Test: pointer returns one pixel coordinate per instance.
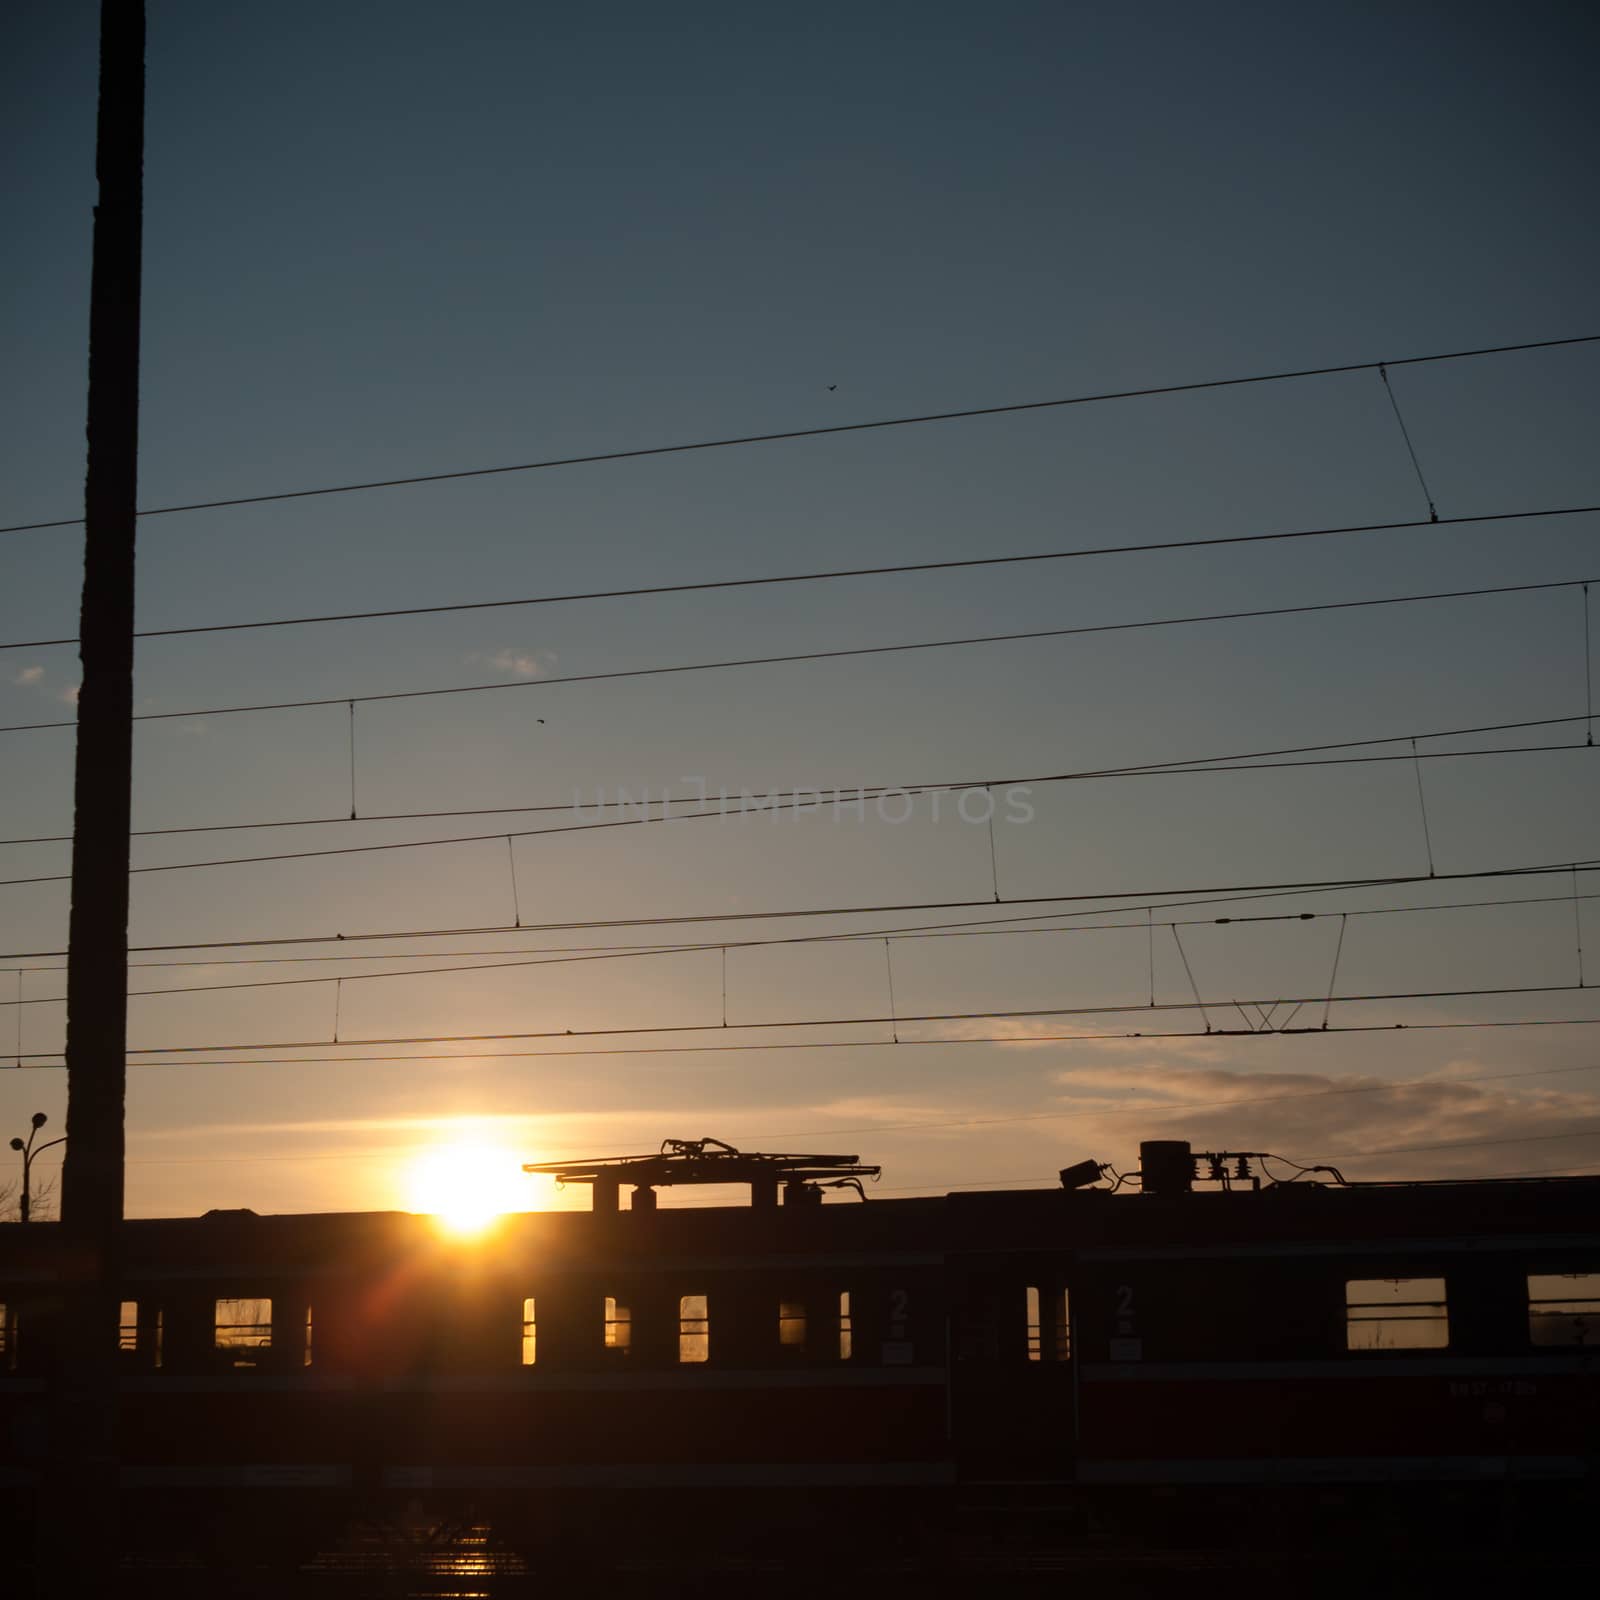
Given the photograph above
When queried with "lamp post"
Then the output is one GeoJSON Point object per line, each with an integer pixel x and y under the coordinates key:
{"type": "Point", "coordinates": [28, 1153]}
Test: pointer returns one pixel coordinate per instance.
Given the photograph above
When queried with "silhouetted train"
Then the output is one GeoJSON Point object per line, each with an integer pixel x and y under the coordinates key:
{"type": "Point", "coordinates": [1117, 1364]}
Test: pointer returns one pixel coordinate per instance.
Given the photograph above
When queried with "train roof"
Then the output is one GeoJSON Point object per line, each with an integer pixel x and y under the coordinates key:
{"type": "Point", "coordinates": [959, 1224]}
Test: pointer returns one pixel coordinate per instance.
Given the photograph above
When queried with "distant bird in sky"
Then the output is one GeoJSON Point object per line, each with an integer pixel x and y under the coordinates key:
{"type": "Point", "coordinates": [832, 387]}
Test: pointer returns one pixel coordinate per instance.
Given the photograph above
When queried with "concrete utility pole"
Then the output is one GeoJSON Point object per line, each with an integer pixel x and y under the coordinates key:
{"type": "Point", "coordinates": [97, 958]}
{"type": "Point", "coordinates": [83, 1487]}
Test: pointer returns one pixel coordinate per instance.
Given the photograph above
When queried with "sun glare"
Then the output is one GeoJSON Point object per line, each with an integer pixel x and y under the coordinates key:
{"type": "Point", "coordinates": [466, 1186]}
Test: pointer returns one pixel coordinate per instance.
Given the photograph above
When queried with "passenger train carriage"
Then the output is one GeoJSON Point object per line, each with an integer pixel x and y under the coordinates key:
{"type": "Point", "coordinates": [1118, 1363]}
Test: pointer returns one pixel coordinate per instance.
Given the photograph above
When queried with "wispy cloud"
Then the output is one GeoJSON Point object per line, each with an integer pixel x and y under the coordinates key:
{"type": "Point", "coordinates": [517, 662]}
{"type": "Point", "coordinates": [1438, 1126]}
{"type": "Point", "coordinates": [1063, 1034]}
{"type": "Point", "coordinates": [36, 678]}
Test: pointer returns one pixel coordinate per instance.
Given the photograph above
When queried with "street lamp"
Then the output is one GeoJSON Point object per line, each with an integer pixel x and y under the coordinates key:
{"type": "Point", "coordinates": [28, 1153]}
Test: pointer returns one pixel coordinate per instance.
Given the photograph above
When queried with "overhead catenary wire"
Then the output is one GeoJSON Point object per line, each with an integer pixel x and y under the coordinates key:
{"type": "Point", "coordinates": [1405, 434]}
{"type": "Point", "coordinates": [830, 575]}
{"type": "Point", "coordinates": [511, 865]}
{"type": "Point", "coordinates": [1250, 760]}
{"type": "Point", "coordinates": [1588, 669]}
{"type": "Point", "coordinates": [1189, 973]}
{"type": "Point", "coordinates": [892, 423]}
{"type": "Point", "coordinates": [740, 663]}
{"type": "Point", "coordinates": [789, 1023]}
{"type": "Point", "coordinates": [1338, 950]}
{"type": "Point", "coordinates": [561, 954]}
{"type": "Point", "coordinates": [1208, 895]}
{"type": "Point", "coordinates": [511, 960]}
{"type": "Point", "coordinates": [888, 968]}
{"type": "Point", "coordinates": [832, 428]}
{"type": "Point", "coordinates": [818, 799]}
{"type": "Point", "coordinates": [1464, 1144]}
{"type": "Point", "coordinates": [1566, 1169]}
{"type": "Point", "coordinates": [763, 1047]}
{"type": "Point", "coordinates": [994, 859]}
{"type": "Point", "coordinates": [353, 761]}
{"type": "Point", "coordinates": [1422, 806]}
{"type": "Point", "coordinates": [1577, 924]}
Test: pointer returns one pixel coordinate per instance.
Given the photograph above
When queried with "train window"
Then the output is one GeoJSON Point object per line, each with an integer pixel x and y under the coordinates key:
{"type": "Point", "coordinates": [529, 1333]}
{"type": "Point", "coordinates": [792, 1324]}
{"type": "Point", "coordinates": [305, 1359]}
{"type": "Point", "coordinates": [128, 1325]}
{"type": "Point", "coordinates": [243, 1328]}
{"type": "Point", "coordinates": [694, 1328]}
{"type": "Point", "coordinates": [846, 1341]}
{"type": "Point", "coordinates": [1054, 1338]}
{"type": "Point", "coordinates": [619, 1326]}
{"type": "Point", "coordinates": [1564, 1308]}
{"type": "Point", "coordinates": [1396, 1314]}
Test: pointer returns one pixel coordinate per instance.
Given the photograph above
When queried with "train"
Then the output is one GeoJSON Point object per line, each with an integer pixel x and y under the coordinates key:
{"type": "Point", "coordinates": [1220, 1352]}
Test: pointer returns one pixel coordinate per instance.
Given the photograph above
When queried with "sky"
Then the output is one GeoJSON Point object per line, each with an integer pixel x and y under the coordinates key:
{"type": "Point", "coordinates": [390, 241]}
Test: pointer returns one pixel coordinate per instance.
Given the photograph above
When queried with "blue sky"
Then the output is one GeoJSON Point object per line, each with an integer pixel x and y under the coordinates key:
{"type": "Point", "coordinates": [381, 241]}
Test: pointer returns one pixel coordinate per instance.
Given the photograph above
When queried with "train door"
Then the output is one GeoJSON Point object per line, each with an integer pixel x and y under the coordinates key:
{"type": "Point", "coordinates": [1013, 1379]}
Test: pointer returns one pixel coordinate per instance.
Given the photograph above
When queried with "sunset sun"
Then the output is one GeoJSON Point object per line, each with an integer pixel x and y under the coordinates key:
{"type": "Point", "coordinates": [466, 1186]}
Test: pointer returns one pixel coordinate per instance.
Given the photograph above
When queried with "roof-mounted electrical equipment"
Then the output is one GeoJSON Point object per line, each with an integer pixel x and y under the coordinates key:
{"type": "Point", "coordinates": [802, 1178]}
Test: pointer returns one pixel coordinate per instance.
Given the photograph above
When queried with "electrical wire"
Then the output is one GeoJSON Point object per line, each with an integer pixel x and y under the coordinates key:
{"type": "Point", "coordinates": [549, 958]}
{"type": "Point", "coordinates": [1564, 1170]}
{"type": "Point", "coordinates": [833, 428]}
{"type": "Point", "coordinates": [922, 931]}
{"type": "Point", "coordinates": [742, 662]}
{"type": "Point", "coordinates": [900, 568]}
{"type": "Point", "coordinates": [761, 1047]}
{"type": "Point", "coordinates": [941, 644]}
{"type": "Point", "coordinates": [819, 799]}
{"type": "Point", "coordinates": [1144, 896]}
{"type": "Point", "coordinates": [868, 1021]}
{"type": "Point", "coordinates": [1463, 1144]}
{"type": "Point", "coordinates": [1236, 761]}
{"type": "Point", "coordinates": [1411, 449]}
